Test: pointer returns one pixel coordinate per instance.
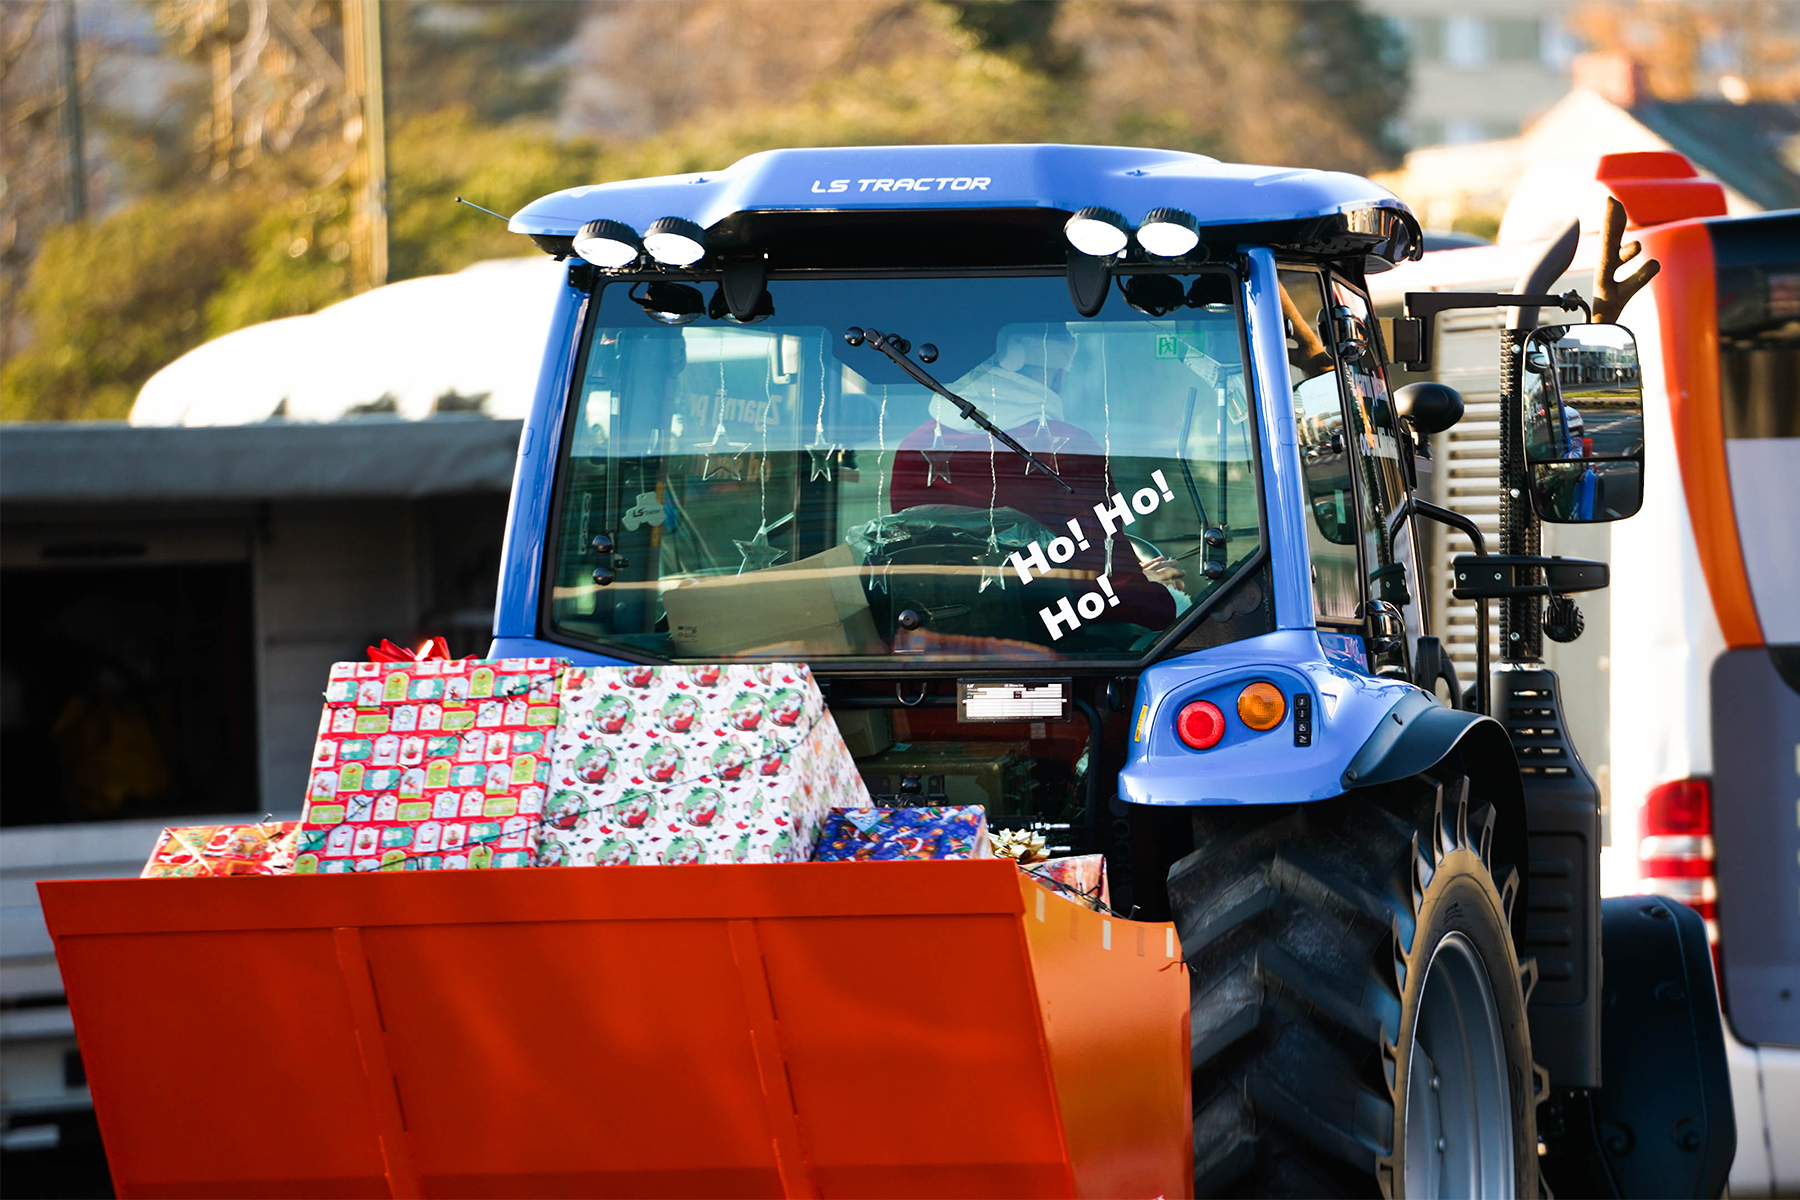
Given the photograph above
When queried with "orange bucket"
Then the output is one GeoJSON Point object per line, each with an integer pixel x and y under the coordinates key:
{"type": "Point", "coordinates": [809, 1029]}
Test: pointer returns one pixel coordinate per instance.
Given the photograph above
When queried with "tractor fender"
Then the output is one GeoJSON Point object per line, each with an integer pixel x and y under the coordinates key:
{"type": "Point", "coordinates": [1417, 734]}
{"type": "Point", "coordinates": [1414, 734]}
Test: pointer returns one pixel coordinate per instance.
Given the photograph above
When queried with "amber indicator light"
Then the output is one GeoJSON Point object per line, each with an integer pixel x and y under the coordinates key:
{"type": "Point", "coordinates": [1261, 706]}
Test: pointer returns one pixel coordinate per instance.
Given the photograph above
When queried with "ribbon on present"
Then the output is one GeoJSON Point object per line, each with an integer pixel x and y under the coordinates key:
{"type": "Point", "coordinates": [431, 648]}
{"type": "Point", "coordinates": [1020, 845]}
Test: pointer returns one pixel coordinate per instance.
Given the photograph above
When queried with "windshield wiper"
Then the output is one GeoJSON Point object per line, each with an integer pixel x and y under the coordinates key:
{"type": "Point", "coordinates": [896, 348]}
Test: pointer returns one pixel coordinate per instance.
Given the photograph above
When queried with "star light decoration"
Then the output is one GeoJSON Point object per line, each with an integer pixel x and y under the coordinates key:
{"type": "Point", "coordinates": [993, 575]}
{"type": "Point", "coordinates": [883, 536]}
{"type": "Point", "coordinates": [826, 456]}
{"type": "Point", "coordinates": [937, 458]}
{"type": "Point", "coordinates": [1046, 447]}
{"type": "Point", "coordinates": [758, 553]}
{"type": "Point", "coordinates": [730, 467]}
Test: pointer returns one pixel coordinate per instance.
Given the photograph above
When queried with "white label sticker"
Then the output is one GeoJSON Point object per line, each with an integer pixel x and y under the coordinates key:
{"type": "Point", "coordinates": [1013, 701]}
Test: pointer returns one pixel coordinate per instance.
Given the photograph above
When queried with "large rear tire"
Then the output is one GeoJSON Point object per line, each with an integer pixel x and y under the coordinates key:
{"type": "Point", "coordinates": [1358, 1007]}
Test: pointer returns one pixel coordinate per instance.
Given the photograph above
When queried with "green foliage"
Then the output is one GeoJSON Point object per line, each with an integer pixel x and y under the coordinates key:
{"type": "Point", "coordinates": [1023, 30]}
{"type": "Point", "coordinates": [113, 301]}
{"type": "Point", "coordinates": [296, 261]}
{"type": "Point", "coordinates": [471, 83]}
{"type": "Point", "coordinates": [1359, 63]}
{"type": "Point", "coordinates": [972, 97]}
{"type": "Point", "coordinates": [499, 59]}
{"type": "Point", "coordinates": [435, 158]}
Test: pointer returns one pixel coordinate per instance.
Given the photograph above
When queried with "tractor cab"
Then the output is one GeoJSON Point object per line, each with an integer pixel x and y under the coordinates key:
{"type": "Point", "coordinates": [930, 418]}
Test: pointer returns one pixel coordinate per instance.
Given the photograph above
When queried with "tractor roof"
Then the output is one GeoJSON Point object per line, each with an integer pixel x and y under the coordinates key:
{"type": "Point", "coordinates": [1325, 211]}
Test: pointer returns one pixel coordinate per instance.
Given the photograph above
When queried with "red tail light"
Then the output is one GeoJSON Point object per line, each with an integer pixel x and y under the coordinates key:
{"type": "Point", "coordinates": [1201, 725]}
{"type": "Point", "coordinates": [1675, 850]}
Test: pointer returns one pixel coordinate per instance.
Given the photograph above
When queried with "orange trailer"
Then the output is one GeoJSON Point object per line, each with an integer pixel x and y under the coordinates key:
{"type": "Point", "coordinates": [854, 1029]}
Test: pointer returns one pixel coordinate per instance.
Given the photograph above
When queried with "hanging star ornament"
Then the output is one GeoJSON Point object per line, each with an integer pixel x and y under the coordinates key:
{"type": "Point", "coordinates": [730, 466]}
{"type": "Point", "coordinates": [937, 458]}
{"type": "Point", "coordinates": [1047, 450]}
{"type": "Point", "coordinates": [825, 457]}
{"type": "Point", "coordinates": [758, 553]}
{"type": "Point", "coordinates": [993, 575]}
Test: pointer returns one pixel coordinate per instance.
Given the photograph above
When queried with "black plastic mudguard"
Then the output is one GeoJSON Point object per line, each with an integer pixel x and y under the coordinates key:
{"type": "Point", "coordinates": [1662, 1123]}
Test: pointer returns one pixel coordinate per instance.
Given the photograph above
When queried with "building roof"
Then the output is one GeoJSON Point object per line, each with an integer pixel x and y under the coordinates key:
{"type": "Point", "coordinates": [366, 457]}
{"type": "Point", "coordinates": [1056, 177]}
{"type": "Point", "coordinates": [1751, 148]}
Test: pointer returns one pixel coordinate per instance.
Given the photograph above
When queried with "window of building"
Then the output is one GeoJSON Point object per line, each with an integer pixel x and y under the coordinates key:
{"type": "Point", "coordinates": [1516, 39]}
{"type": "Point", "coordinates": [1460, 131]}
{"type": "Point", "coordinates": [1467, 42]}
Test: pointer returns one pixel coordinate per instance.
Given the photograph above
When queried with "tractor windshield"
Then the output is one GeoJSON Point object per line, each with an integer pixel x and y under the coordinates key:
{"type": "Point", "coordinates": [778, 489]}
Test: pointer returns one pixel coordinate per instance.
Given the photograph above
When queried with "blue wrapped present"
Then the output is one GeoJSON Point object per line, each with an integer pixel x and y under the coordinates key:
{"type": "Point", "coordinates": [886, 834]}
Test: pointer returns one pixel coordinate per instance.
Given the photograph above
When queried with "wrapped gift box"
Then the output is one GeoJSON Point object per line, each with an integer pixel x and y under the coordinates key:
{"type": "Point", "coordinates": [265, 848]}
{"type": "Point", "coordinates": [433, 764]}
{"type": "Point", "coordinates": [693, 764]}
{"type": "Point", "coordinates": [1080, 878]}
{"type": "Point", "coordinates": [957, 831]}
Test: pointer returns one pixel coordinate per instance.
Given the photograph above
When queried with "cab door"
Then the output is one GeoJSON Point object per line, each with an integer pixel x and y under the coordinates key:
{"type": "Point", "coordinates": [1350, 459]}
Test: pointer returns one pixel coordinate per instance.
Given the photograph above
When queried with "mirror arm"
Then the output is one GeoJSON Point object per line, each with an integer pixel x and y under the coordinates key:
{"type": "Point", "coordinates": [1413, 332]}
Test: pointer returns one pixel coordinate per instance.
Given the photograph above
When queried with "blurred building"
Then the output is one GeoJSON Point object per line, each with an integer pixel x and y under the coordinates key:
{"type": "Point", "coordinates": [1481, 69]}
{"type": "Point", "coordinates": [1752, 148]}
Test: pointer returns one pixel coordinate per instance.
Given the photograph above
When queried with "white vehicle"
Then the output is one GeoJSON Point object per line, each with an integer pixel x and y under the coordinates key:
{"type": "Point", "coordinates": [1684, 695]}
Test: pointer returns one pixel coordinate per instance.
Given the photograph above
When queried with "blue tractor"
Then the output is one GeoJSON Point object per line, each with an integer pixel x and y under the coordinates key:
{"type": "Point", "coordinates": [1075, 474]}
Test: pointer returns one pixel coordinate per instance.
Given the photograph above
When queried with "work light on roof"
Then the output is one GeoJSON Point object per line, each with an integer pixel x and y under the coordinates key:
{"type": "Point", "coordinates": [1169, 232]}
{"type": "Point", "coordinates": [675, 241]}
{"type": "Point", "coordinates": [608, 243]}
{"type": "Point", "coordinates": [1100, 232]}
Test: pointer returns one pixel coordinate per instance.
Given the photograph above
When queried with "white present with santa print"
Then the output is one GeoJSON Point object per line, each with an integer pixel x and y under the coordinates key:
{"type": "Point", "coordinates": [716, 764]}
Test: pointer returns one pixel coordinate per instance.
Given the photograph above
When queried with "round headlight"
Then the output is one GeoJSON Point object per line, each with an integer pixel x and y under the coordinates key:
{"type": "Point", "coordinates": [676, 241]}
{"type": "Point", "coordinates": [1100, 232]}
{"type": "Point", "coordinates": [608, 244]}
{"type": "Point", "coordinates": [1168, 232]}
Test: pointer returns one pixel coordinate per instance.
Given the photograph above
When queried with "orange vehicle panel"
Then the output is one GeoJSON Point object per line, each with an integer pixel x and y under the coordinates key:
{"type": "Point", "coordinates": [1687, 306]}
{"type": "Point", "coordinates": [856, 1029]}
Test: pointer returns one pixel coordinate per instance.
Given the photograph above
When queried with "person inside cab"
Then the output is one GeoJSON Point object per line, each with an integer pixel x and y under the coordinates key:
{"type": "Point", "coordinates": [948, 460]}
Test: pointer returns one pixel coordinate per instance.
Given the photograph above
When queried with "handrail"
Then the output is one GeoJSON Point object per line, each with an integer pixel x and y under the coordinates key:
{"type": "Point", "coordinates": [1411, 506]}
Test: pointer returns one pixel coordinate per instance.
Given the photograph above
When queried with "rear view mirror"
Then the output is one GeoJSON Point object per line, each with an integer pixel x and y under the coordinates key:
{"type": "Point", "coordinates": [1583, 405]}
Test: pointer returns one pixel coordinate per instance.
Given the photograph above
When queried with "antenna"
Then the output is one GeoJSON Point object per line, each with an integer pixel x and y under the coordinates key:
{"type": "Point", "coordinates": [490, 212]}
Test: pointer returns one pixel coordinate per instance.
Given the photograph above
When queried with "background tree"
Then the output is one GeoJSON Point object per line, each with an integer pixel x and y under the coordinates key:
{"type": "Point", "coordinates": [243, 173]}
{"type": "Point", "coordinates": [34, 180]}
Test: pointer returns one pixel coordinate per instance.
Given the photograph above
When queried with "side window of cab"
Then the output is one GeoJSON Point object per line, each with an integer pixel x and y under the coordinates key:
{"type": "Point", "coordinates": [1325, 461]}
{"type": "Point", "coordinates": [1375, 449]}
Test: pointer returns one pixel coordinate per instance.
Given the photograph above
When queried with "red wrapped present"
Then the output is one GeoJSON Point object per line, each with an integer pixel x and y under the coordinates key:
{"type": "Point", "coordinates": [428, 764]}
{"type": "Point", "coordinates": [1080, 878]}
{"type": "Point", "coordinates": [264, 848]}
